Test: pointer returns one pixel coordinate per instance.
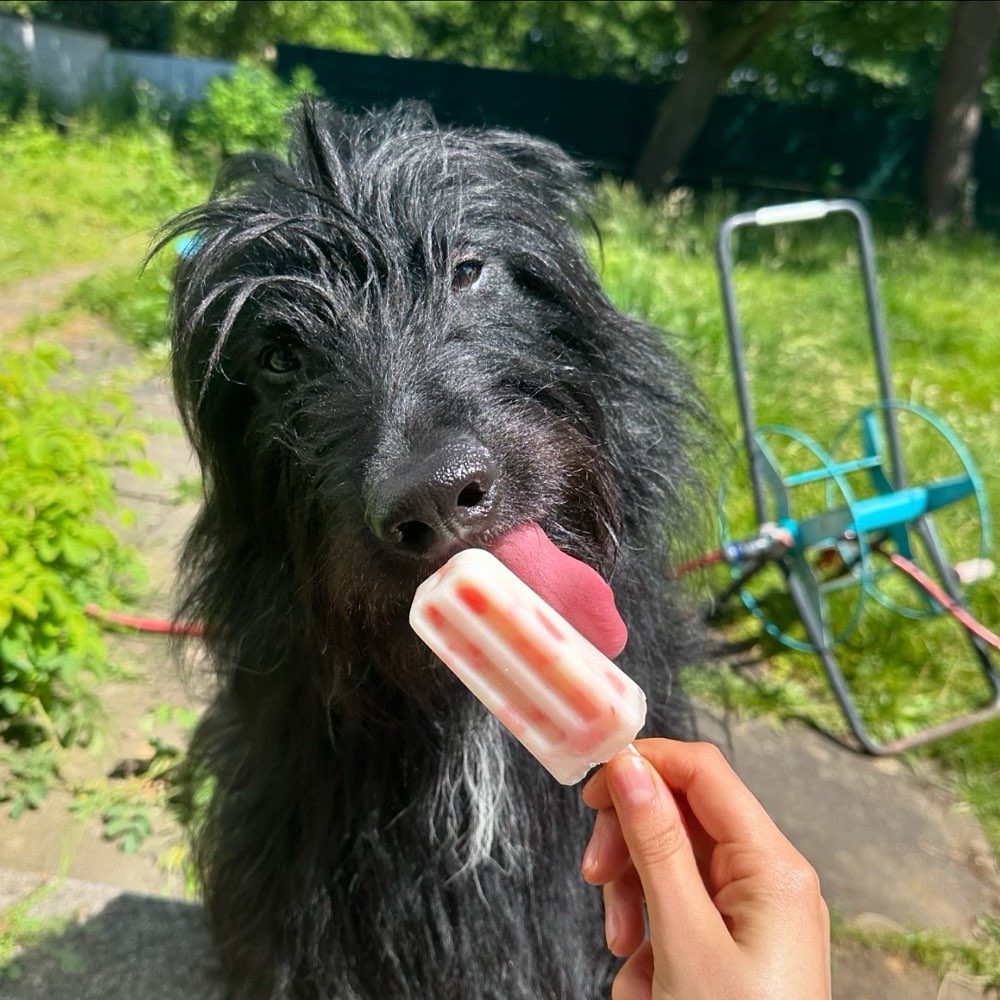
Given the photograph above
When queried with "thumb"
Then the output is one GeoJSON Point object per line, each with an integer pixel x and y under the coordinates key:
{"type": "Point", "coordinates": [676, 898]}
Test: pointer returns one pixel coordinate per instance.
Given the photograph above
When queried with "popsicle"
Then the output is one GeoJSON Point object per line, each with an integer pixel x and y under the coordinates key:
{"type": "Point", "coordinates": [562, 698]}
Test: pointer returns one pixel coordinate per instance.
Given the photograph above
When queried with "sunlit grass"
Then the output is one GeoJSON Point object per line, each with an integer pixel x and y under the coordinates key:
{"type": "Point", "coordinates": [84, 195]}
{"type": "Point", "coordinates": [811, 369]}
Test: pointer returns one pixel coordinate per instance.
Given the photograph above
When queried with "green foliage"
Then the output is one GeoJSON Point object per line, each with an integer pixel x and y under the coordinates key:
{"type": "Point", "coordinates": [146, 26]}
{"type": "Point", "coordinates": [84, 194]}
{"type": "Point", "coordinates": [20, 929]}
{"type": "Point", "coordinates": [57, 550]}
{"type": "Point", "coordinates": [235, 28]}
{"type": "Point", "coordinates": [614, 38]}
{"type": "Point", "coordinates": [828, 50]}
{"type": "Point", "coordinates": [861, 51]}
{"type": "Point", "coordinates": [128, 804]}
{"type": "Point", "coordinates": [133, 301]}
{"type": "Point", "coordinates": [125, 813]}
{"type": "Point", "coordinates": [882, 54]}
{"type": "Point", "coordinates": [31, 773]}
{"type": "Point", "coordinates": [184, 792]}
{"type": "Point", "coordinates": [245, 112]}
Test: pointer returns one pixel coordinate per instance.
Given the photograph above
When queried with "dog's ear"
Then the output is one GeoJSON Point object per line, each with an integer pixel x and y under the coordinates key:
{"type": "Point", "coordinates": [326, 140]}
{"type": "Point", "coordinates": [317, 151]}
{"type": "Point", "coordinates": [556, 178]}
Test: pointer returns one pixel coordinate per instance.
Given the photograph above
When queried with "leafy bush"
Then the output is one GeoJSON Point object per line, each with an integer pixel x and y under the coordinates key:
{"type": "Point", "coordinates": [135, 303]}
{"type": "Point", "coordinates": [130, 804]}
{"type": "Point", "coordinates": [84, 193]}
{"type": "Point", "coordinates": [245, 112]}
{"type": "Point", "coordinates": [27, 776]}
{"type": "Point", "coordinates": [57, 550]}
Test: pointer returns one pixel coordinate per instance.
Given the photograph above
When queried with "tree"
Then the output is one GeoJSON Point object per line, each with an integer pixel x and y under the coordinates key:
{"type": "Point", "coordinates": [126, 24]}
{"type": "Point", "coordinates": [624, 39]}
{"type": "Point", "coordinates": [249, 28]}
{"type": "Point", "coordinates": [721, 34]}
{"type": "Point", "coordinates": [958, 112]}
{"type": "Point", "coordinates": [850, 52]}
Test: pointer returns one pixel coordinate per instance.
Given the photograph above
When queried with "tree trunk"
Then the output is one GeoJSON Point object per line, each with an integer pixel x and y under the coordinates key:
{"type": "Point", "coordinates": [720, 35]}
{"type": "Point", "coordinates": [679, 120]}
{"type": "Point", "coordinates": [958, 112]}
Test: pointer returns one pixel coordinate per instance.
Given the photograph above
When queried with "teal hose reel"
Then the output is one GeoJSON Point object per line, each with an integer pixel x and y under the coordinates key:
{"type": "Point", "coordinates": [842, 525]}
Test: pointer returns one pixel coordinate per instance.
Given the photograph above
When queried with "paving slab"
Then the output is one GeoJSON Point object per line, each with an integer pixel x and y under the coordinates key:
{"type": "Point", "coordinates": [883, 839]}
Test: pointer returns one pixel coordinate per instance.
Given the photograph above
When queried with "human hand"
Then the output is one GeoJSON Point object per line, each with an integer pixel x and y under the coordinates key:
{"type": "Point", "coordinates": [734, 911]}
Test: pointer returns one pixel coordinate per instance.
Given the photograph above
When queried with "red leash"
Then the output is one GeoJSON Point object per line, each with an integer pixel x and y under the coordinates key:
{"type": "Point", "coordinates": [167, 627]}
{"type": "Point", "coordinates": [140, 624]}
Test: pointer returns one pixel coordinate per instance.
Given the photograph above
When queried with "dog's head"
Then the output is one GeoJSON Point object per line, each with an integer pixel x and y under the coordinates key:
{"type": "Point", "coordinates": [392, 347]}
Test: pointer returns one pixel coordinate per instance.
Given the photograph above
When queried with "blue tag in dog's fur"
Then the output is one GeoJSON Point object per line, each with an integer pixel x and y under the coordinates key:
{"type": "Point", "coordinates": [188, 246]}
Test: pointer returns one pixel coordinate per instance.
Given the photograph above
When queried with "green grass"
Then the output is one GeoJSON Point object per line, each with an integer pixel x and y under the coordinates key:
{"type": "Point", "coordinates": [20, 929]}
{"type": "Point", "coordinates": [941, 953]}
{"type": "Point", "coordinates": [811, 369]}
{"type": "Point", "coordinates": [77, 197]}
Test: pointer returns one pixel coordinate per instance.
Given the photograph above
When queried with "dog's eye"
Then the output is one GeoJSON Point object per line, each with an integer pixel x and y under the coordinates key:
{"type": "Point", "coordinates": [278, 360]}
{"type": "Point", "coordinates": [466, 274]}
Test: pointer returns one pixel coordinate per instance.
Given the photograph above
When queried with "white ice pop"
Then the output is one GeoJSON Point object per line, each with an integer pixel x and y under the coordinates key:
{"type": "Point", "coordinates": [563, 699]}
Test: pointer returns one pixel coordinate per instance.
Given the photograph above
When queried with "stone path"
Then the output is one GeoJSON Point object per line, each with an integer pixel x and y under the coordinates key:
{"type": "Point", "coordinates": [891, 847]}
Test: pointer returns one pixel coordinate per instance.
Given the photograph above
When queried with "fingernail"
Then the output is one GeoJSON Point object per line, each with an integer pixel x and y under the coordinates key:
{"type": "Point", "coordinates": [590, 855]}
{"type": "Point", "coordinates": [590, 781]}
{"type": "Point", "coordinates": [612, 926]}
{"type": "Point", "coordinates": [632, 781]}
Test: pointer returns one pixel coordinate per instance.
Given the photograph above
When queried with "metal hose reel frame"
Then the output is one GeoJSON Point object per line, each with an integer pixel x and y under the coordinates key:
{"type": "Point", "coordinates": [896, 510]}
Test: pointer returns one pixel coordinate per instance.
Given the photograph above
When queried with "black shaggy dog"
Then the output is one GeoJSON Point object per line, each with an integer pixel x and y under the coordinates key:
{"type": "Point", "coordinates": [387, 349]}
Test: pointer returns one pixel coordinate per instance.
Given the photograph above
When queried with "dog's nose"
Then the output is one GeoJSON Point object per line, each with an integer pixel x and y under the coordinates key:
{"type": "Point", "coordinates": [424, 506]}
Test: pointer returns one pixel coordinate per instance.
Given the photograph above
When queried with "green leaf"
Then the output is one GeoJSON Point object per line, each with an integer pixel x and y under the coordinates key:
{"type": "Point", "coordinates": [77, 553]}
{"type": "Point", "coordinates": [57, 495]}
{"type": "Point", "coordinates": [23, 606]}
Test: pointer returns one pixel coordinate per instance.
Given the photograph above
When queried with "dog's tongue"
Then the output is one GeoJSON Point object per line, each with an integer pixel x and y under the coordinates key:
{"type": "Point", "coordinates": [571, 587]}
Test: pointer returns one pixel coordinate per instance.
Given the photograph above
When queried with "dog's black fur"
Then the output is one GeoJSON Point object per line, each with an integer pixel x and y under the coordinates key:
{"type": "Point", "coordinates": [397, 300]}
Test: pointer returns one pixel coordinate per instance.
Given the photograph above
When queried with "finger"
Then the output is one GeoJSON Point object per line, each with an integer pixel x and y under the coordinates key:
{"type": "Point", "coordinates": [678, 902]}
{"type": "Point", "coordinates": [635, 978]}
{"type": "Point", "coordinates": [624, 914]}
{"type": "Point", "coordinates": [595, 792]}
{"type": "Point", "coordinates": [606, 856]}
{"type": "Point", "coordinates": [726, 809]}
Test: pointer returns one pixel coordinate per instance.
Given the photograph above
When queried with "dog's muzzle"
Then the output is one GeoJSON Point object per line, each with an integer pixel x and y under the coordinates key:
{"type": "Point", "coordinates": [435, 501]}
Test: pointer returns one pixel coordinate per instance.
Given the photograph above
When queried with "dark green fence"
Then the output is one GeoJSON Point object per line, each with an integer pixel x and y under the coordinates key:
{"type": "Point", "coordinates": [767, 149]}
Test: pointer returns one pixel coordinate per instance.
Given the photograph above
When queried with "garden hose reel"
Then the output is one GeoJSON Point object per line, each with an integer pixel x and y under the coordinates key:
{"type": "Point", "coordinates": [838, 527]}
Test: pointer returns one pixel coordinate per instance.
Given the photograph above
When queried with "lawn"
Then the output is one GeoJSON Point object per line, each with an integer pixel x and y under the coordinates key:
{"type": "Point", "coordinates": [811, 369]}
{"type": "Point", "coordinates": [84, 195]}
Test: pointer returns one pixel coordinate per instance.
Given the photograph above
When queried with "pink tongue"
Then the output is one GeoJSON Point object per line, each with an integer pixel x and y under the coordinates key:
{"type": "Point", "coordinates": [576, 591]}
